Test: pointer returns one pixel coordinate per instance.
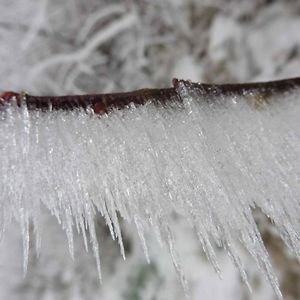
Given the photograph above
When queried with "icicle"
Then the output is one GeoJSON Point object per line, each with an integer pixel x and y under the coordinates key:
{"type": "Point", "coordinates": [95, 246]}
{"type": "Point", "coordinates": [176, 263]}
{"type": "Point", "coordinates": [139, 228]}
{"type": "Point", "coordinates": [24, 223]}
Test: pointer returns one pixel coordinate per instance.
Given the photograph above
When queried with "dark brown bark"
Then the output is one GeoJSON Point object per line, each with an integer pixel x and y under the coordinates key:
{"type": "Point", "coordinates": [102, 103]}
{"type": "Point", "coordinates": [269, 87]}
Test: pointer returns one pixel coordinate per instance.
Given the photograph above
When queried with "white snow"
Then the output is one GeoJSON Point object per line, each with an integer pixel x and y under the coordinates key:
{"type": "Point", "coordinates": [208, 161]}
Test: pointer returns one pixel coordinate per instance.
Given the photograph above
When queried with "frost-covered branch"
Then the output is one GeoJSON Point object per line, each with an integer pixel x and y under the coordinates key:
{"type": "Point", "coordinates": [197, 150]}
{"type": "Point", "coordinates": [258, 92]}
{"type": "Point", "coordinates": [85, 51]}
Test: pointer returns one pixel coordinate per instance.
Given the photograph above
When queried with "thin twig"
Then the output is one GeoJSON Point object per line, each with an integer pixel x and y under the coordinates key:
{"type": "Point", "coordinates": [101, 103]}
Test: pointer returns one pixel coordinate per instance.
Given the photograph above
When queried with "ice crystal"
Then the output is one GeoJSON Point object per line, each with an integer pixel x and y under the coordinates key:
{"type": "Point", "coordinates": [210, 161]}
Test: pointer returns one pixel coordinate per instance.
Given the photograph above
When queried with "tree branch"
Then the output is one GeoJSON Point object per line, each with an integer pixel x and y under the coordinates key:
{"type": "Point", "coordinates": [102, 103]}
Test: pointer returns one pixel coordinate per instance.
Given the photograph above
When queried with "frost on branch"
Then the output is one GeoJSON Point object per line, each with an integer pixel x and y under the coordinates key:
{"type": "Point", "coordinates": [210, 159]}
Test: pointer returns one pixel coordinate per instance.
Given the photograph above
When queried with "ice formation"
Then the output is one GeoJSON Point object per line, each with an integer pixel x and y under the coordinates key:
{"type": "Point", "coordinates": [210, 161]}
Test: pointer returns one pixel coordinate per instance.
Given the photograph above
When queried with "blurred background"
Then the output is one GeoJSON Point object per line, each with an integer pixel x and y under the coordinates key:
{"type": "Point", "coordinates": [54, 47]}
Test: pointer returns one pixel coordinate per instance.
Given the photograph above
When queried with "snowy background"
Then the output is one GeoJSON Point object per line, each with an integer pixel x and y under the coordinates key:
{"type": "Point", "coordinates": [72, 46]}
